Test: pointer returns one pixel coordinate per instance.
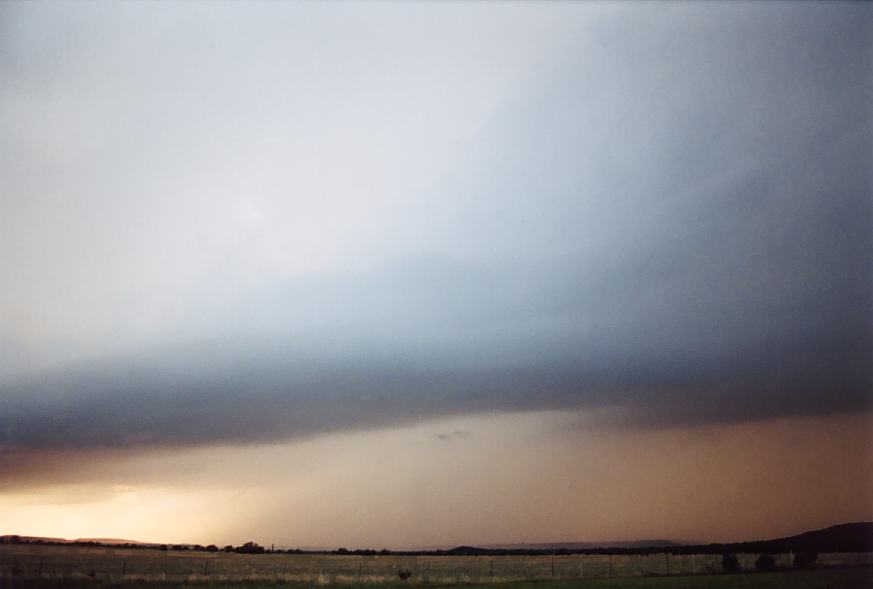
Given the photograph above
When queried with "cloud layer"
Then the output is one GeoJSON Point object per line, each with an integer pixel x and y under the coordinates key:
{"type": "Point", "coordinates": [257, 223]}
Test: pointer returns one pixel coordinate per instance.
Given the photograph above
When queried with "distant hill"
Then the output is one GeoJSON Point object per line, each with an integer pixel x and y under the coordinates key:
{"type": "Point", "coordinates": [852, 537]}
{"type": "Point", "coordinates": [113, 541]}
{"type": "Point", "coordinates": [586, 545]}
{"type": "Point", "coordinates": [15, 539]}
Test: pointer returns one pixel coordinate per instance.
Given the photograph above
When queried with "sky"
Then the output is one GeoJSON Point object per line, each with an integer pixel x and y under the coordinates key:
{"type": "Point", "coordinates": [387, 274]}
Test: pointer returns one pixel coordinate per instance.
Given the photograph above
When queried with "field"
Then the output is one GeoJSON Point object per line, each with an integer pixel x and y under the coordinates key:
{"type": "Point", "coordinates": [43, 563]}
{"type": "Point", "coordinates": [831, 578]}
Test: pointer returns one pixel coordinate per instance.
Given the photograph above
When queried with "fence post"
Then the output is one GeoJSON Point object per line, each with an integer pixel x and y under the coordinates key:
{"type": "Point", "coordinates": [610, 566]}
{"type": "Point", "coordinates": [123, 567]}
{"type": "Point", "coordinates": [667, 561]}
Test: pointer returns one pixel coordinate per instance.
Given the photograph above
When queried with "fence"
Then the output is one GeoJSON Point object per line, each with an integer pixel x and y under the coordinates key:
{"type": "Point", "coordinates": [116, 564]}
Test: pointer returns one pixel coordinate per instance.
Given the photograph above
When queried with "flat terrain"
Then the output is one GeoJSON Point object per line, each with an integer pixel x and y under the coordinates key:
{"type": "Point", "coordinates": [55, 566]}
{"type": "Point", "coordinates": [847, 578]}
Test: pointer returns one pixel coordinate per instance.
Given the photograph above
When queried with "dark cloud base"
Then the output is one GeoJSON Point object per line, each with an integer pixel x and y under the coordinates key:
{"type": "Point", "coordinates": [232, 401]}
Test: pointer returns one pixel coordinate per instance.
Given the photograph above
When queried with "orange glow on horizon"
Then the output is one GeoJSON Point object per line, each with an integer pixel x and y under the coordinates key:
{"type": "Point", "coordinates": [533, 477]}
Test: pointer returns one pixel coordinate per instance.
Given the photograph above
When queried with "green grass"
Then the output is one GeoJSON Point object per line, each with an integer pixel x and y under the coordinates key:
{"type": "Point", "coordinates": [844, 578]}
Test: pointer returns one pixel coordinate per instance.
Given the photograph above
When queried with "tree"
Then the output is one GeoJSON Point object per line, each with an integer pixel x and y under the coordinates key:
{"type": "Point", "coordinates": [805, 560]}
{"type": "Point", "coordinates": [730, 563]}
{"type": "Point", "coordinates": [251, 548]}
{"type": "Point", "coordinates": [765, 562]}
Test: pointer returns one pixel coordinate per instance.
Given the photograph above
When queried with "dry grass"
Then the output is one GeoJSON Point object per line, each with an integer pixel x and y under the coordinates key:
{"type": "Point", "coordinates": [129, 565]}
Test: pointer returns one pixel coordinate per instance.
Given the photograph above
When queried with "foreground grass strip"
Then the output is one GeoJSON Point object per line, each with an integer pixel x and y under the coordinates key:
{"type": "Point", "coordinates": [851, 578]}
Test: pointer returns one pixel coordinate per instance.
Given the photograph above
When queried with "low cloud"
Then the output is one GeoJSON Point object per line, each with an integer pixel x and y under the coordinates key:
{"type": "Point", "coordinates": [452, 435]}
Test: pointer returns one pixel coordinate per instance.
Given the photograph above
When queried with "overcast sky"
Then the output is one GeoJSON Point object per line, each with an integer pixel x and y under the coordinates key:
{"type": "Point", "coordinates": [226, 224]}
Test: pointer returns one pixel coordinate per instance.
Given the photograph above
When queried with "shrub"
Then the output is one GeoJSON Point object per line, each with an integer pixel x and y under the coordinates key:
{"type": "Point", "coordinates": [805, 560]}
{"type": "Point", "coordinates": [404, 574]}
{"type": "Point", "coordinates": [251, 548]}
{"type": "Point", "coordinates": [730, 563]}
{"type": "Point", "coordinates": [765, 562]}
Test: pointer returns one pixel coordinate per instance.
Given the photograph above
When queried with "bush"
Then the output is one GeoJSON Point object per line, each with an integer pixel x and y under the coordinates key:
{"type": "Point", "coordinates": [251, 548]}
{"type": "Point", "coordinates": [730, 563]}
{"type": "Point", "coordinates": [805, 560]}
{"type": "Point", "coordinates": [404, 574]}
{"type": "Point", "coordinates": [765, 562]}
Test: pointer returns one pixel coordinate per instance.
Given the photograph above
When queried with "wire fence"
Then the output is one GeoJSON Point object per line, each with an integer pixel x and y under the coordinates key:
{"type": "Point", "coordinates": [118, 564]}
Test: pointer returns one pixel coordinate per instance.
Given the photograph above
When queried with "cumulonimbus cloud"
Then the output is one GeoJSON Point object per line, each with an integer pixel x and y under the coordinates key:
{"type": "Point", "coordinates": [673, 221]}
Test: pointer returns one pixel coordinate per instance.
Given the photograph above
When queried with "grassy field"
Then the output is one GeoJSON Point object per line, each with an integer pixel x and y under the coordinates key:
{"type": "Point", "coordinates": [34, 563]}
{"type": "Point", "coordinates": [840, 578]}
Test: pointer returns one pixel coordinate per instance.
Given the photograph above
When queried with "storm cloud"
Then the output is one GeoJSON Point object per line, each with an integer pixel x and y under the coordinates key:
{"type": "Point", "coordinates": [247, 224]}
